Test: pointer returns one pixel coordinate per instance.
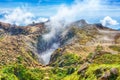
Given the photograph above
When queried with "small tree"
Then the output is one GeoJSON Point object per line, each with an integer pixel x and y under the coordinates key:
{"type": "Point", "coordinates": [98, 48]}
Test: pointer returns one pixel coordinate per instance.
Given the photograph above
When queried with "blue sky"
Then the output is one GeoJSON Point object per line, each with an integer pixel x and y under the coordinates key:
{"type": "Point", "coordinates": [91, 10]}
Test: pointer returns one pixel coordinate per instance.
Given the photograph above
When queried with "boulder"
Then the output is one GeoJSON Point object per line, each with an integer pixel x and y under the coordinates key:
{"type": "Point", "coordinates": [83, 67]}
{"type": "Point", "coordinates": [105, 76]}
{"type": "Point", "coordinates": [114, 71]}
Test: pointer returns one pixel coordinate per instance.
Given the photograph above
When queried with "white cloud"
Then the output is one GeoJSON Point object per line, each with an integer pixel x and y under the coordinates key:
{"type": "Point", "coordinates": [41, 19]}
{"type": "Point", "coordinates": [107, 21]}
{"type": "Point", "coordinates": [18, 16]}
{"type": "Point", "coordinates": [21, 16]}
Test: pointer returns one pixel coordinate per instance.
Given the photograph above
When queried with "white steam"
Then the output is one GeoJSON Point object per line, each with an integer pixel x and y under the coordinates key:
{"type": "Point", "coordinates": [76, 10]}
{"type": "Point", "coordinates": [47, 54]}
{"type": "Point", "coordinates": [65, 15]}
{"type": "Point", "coordinates": [108, 21]}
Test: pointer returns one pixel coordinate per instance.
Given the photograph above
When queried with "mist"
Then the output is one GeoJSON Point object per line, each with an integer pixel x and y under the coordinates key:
{"type": "Point", "coordinates": [47, 54]}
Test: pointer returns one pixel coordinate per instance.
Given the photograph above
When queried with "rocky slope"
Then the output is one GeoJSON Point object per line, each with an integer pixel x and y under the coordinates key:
{"type": "Point", "coordinates": [86, 38]}
{"type": "Point", "coordinates": [80, 51]}
{"type": "Point", "coordinates": [19, 42]}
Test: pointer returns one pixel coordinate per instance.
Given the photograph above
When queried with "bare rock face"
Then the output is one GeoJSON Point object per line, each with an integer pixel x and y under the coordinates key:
{"type": "Point", "coordinates": [117, 38]}
{"type": "Point", "coordinates": [79, 23]}
{"type": "Point", "coordinates": [6, 25]}
{"type": "Point", "coordinates": [25, 30]}
{"type": "Point", "coordinates": [83, 67]}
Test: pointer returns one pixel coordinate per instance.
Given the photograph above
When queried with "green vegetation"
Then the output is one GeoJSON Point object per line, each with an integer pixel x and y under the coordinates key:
{"type": "Point", "coordinates": [67, 59]}
{"type": "Point", "coordinates": [1, 37]}
{"type": "Point", "coordinates": [20, 72]}
{"type": "Point", "coordinates": [101, 65]}
{"type": "Point", "coordinates": [115, 48]}
{"type": "Point", "coordinates": [95, 71]}
{"type": "Point", "coordinates": [107, 59]}
{"type": "Point", "coordinates": [82, 35]}
{"type": "Point", "coordinates": [65, 67]}
{"type": "Point", "coordinates": [99, 48]}
{"type": "Point", "coordinates": [90, 55]}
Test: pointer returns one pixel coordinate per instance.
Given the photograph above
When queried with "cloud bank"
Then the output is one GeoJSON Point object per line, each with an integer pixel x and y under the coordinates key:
{"type": "Point", "coordinates": [20, 16]}
{"type": "Point", "coordinates": [108, 21]}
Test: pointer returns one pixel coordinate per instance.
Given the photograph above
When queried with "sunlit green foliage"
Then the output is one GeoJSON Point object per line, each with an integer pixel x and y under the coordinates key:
{"type": "Point", "coordinates": [107, 59]}
{"type": "Point", "coordinates": [115, 48]}
{"type": "Point", "coordinates": [20, 72]}
{"type": "Point", "coordinates": [67, 59]}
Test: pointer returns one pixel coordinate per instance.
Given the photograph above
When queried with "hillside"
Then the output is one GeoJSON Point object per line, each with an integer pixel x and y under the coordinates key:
{"type": "Point", "coordinates": [80, 51]}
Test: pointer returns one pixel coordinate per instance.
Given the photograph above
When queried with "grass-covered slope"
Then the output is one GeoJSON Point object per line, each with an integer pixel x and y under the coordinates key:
{"type": "Point", "coordinates": [103, 69]}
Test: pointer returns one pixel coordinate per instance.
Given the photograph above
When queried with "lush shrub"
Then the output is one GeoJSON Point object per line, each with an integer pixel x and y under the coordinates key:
{"type": "Point", "coordinates": [70, 59]}
{"type": "Point", "coordinates": [67, 59]}
{"type": "Point", "coordinates": [70, 70]}
{"type": "Point", "coordinates": [107, 59]}
{"type": "Point", "coordinates": [90, 55]}
{"type": "Point", "coordinates": [98, 48]}
{"type": "Point", "coordinates": [20, 72]}
{"type": "Point", "coordinates": [58, 73]}
{"type": "Point", "coordinates": [115, 48]}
